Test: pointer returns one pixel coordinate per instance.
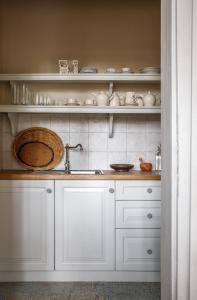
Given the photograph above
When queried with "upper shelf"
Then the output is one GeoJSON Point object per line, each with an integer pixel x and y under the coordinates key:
{"type": "Point", "coordinates": [102, 77]}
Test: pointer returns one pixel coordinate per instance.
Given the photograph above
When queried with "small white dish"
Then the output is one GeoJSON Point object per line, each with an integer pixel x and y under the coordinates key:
{"type": "Point", "coordinates": [151, 70]}
{"type": "Point", "coordinates": [88, 70]}
{"type": "Point", "coordinates": [127, 70]}
{"type": "Point", "coordinates": [72, 104]}
{"type": "Point", "coordinates": [112, 70]}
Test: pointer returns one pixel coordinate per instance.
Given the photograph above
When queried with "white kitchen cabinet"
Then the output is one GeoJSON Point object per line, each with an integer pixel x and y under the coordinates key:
{"type": "Point", "coordinates": [84, 225]}
{"type": "Point", "coordinates": [26, 225]}
{"type": "Point", "coordinates": [138, 249]}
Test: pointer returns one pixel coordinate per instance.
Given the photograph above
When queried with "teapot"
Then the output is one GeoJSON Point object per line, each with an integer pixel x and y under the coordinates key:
{"type": "Point", "coordinates": [149, 99]}
{"type": "Point", "coordinates": [114, 99]}
{"type": "Point", "coordinates": [102, 98]}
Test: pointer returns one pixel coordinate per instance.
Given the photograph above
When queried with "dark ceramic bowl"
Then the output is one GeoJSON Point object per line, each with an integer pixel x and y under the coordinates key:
{"type": "Point", "coordinates": [121, 167]}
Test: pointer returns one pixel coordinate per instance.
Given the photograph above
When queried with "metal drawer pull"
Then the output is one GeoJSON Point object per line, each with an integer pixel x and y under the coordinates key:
{"type": "Point", "coordinates": [149, 216]}
{"type": "Point", "coordinates": [111, 190]}
{"type": "Point", "coordinates": [149, 251]}
{"type": "Point", "coordinates": [49, 191]}
{"type": "Point", "coordinates": [149, 190]}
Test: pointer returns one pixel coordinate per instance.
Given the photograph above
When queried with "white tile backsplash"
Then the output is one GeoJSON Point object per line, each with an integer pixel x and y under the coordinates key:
{"type": "Point", "coordinates": [98, 123]}
{"type": "Point", "coordinates": [60, 123]}
{"type": "Point", "coordinates": [98, 160]}
{"type": "Point", "coordinates": [98, 141]}
{"type": "Point", "coordinates": [118, 142]}
{"type": "Point", "coordinates": [136, 141]}
{"type": "Point", "coordinates": [41, 120]}
{"type": "Point", "coordinates": [134, 136]}
{"type": "Point", "coordinates": [80, 138]}
{"type": "Point", "coordinates": [78, 123]}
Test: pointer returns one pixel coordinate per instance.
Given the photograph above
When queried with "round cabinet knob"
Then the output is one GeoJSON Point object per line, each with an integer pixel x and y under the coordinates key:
{"type": "Point", "coordinates": [149, 251]}
{"type": "Point", "coordinates": [149, 190]}
{"type": "Point", "coordinates": [111, 190]}
{"type": "Point", "coordinates": [149, 216]}
{"type": "Point", "coordinates": [49, 191]}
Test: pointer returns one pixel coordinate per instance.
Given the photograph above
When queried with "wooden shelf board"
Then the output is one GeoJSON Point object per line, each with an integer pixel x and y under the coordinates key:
{"type": "Point", "coordinates": [102, 77]}
{"type": "Point", "coordinates": [79, 109]}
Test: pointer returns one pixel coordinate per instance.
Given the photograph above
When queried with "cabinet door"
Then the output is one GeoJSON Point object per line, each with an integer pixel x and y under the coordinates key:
{"type": "Point", "coordinates": [85, 230]}
{"type": "Point", "coordinates": [26, 225]}
{"type": "Point", "coordinates": [138, 249]}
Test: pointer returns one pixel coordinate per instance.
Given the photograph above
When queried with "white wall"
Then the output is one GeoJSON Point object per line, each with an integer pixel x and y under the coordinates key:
{"type": "Point", "coordinates": [134, 137]}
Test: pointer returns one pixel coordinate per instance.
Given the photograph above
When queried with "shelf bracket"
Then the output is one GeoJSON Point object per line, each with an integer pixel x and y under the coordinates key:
{"type": "Point", "coordinates": [111, 87]}
{"type": "Point", "coordinates": [13, 119]}
{"type": "Point", "coordinates": [111, 125]}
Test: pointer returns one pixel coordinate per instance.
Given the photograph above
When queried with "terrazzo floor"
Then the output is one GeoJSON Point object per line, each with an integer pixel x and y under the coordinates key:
{"type": "Point", "coordinates": [79, 291]}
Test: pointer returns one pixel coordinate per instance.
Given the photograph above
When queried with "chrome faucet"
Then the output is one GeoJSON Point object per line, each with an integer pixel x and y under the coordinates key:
{"type": "Point", "coordinates": [67, 163]}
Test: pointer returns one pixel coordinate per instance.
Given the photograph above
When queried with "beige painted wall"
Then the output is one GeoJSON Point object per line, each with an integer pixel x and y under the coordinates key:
{"type": "Point", "coordinates": [34, 34]}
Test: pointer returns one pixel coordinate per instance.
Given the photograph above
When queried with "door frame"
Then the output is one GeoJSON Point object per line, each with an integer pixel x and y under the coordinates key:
{"type": "Point", "coordinates": [177, 111]}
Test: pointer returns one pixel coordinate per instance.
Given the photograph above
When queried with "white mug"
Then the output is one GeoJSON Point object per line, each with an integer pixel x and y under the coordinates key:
{"type": "Point", "coordinates": [72, 101]}
{"type": "Point", "coordinates": [90, 102]}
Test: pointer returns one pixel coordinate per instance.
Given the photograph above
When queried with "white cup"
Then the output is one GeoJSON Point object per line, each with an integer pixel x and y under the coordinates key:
{"type": "Point", "coordinates": [72, 101]}
{"type": "Point", "coordinates": [90, 102]}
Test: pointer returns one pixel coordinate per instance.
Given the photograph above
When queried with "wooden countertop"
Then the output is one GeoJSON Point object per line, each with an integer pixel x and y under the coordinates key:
{"type": "Point", "coordinates": [59, 175]}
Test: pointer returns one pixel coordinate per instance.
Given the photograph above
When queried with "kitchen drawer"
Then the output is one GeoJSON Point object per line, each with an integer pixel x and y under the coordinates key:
{"type": "Point", "coordinates": [138, 190]}
{"type": "Point", "coordinates": [138, 249]}
{"type": "Point", "coordinates": [138, 214]}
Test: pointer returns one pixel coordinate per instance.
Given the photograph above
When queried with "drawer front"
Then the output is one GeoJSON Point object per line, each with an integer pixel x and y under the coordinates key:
{"type": "Point", "coordinates": [138, 249]}
{"type": "Point", "coordinates": [138, 190]}
{"type": "Point", "coordinates": [138, 214]}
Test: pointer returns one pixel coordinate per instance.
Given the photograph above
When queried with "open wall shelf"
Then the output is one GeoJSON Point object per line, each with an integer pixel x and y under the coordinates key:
{"type": "Point", "coordinates": [102, 77]}
{"type": "Point", "coordinates": [80, 109]}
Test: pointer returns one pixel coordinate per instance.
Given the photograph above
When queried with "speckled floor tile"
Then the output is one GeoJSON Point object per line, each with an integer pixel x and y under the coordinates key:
{"type": "Point", "coordinates": [79, 291]}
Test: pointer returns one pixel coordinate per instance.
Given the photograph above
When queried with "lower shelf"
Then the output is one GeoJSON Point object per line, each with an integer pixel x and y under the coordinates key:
{"type": "Point", "coordinates": [80, 109]}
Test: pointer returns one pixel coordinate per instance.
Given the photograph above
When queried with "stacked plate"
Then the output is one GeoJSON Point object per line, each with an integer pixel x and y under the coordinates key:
{"type": "Point", "coordinates": [89, 70]}
{"type": "Point", "coordinates": [151, 70]}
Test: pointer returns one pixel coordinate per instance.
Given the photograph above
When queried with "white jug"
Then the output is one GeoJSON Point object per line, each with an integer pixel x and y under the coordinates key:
{"type": "Point", "coordinates": [149, 99]}
{"type": "Point", "coordinates": [102, 98]}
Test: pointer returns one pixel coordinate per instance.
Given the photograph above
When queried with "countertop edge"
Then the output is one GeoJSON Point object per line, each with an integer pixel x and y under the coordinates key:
{"type": "Point", "coordinates": [30, 176]}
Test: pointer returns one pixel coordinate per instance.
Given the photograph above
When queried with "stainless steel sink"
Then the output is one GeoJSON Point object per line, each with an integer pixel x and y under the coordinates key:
{"type": "Point", "coordinates": [72, 172]}
{"type": "Point", "coordinates": [86, 172]}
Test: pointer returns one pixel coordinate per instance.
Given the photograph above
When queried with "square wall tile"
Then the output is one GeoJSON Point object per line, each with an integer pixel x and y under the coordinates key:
{"type": "Point", "coordinates": [79, 160]}
{"type": "Point", "coordinates": [24, 122]}
{"type": "Point", "coordinates": [98, 160]}
{"type": "Point", "coordinates": [154, 123]}
{"type": "Point", "coordinates": [153, 140]}
{"type": "Point", "coordinates": [9, 163]}
{"type": "Point", "coordinates": [64, 137]}
{"type": "Point", "coordinates": [117, 142]}
{"type": "Point", "coordinates": [98, 142]}
{"type": "Point", "coordinates": [60, 122]}
{"type": "Point", "coordinates": [117, 158]}
{"type": "Point", "coordinates": [78, 123]}
{"type": "Point", "coordinates": [41, 120]}
{"type": "Point", "coordinates": [80, 138]}
{"type": "Point", "coordinates": [7, 142]}
{"type": "Point", "coordinates": [136, 141]}
{"type": "Point", "coordinates": [6, 124]}
{"type": "Point", "coordinates": [136, 123]}
{"type": "Point", "coordinates": [98, 123]}
{"type": "Point", "coordinates": [120, 123]}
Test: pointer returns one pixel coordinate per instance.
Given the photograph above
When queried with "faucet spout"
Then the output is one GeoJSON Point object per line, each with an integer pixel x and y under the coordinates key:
{"type": "Point", "coordinates": [67, 163]}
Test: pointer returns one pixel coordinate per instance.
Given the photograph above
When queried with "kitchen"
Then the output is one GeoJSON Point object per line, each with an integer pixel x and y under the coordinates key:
{"type": "Point", "coordinates": [81, 227]}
